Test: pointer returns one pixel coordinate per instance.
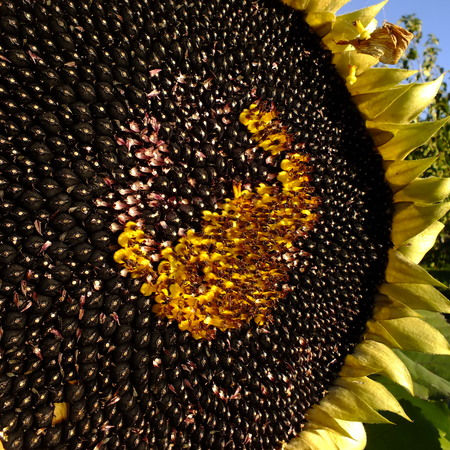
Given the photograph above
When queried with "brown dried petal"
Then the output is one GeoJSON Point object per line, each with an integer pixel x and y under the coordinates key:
{"type": "Point", "coordinates": [387, 43]}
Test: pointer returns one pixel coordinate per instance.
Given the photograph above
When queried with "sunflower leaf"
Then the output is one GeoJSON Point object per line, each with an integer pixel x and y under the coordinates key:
{"type": "Point", "coordinates": [424, 433]}
{"type": "Point", "coordinates": [437, 321]}
{"type": "Point", "coordinates": [430, 428]}
{"type": "Point", "coordinates": [429, 373]}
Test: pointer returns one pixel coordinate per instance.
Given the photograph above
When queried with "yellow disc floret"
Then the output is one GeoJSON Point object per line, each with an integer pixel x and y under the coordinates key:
{"type": "Point", "coordinates": [236, 268]}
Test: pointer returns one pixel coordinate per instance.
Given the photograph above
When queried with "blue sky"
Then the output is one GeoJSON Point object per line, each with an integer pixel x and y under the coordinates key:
{"type": "Point", "coordinates": [435, 15]}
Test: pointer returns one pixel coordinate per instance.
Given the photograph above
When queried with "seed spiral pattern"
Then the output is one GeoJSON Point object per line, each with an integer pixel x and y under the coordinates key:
{"type": "Point", "coordinates": [128, 110]}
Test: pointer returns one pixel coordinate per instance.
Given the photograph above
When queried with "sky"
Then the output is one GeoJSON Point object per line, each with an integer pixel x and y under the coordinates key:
{"type": "Point", "coordinates": [435, 16]}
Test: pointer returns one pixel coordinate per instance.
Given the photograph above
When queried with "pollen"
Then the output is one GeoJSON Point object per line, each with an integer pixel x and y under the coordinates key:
{"type": "Point", "coordinates": [233, 270]}
{"type": "Point", "coordinates": [351, 77]}
{"type": "Point", "coordinates": [362, 30]}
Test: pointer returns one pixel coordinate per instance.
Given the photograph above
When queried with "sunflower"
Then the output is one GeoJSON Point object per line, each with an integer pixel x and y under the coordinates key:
{"type": "Point", "coordinates": [209, 233]}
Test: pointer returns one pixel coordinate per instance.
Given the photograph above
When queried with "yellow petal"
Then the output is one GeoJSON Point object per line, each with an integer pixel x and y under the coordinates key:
{"type": "Point", "coordinates": [386, 308]}
{"type": "Point", "coordinates": [374, 104]}
{"type": "Point", "coordinates": [373, 393]}
{"type": "Point", "coordinates": [402, 270]}
{"type": "Point", "coordinates": [400, 173]}
{"type": "Point", "coordinates": [316, 5]}
{"type": "Point", "coordinates": [417, 296]}
{"type": "Point", "coordinates": [405, 137]}
{"type": "Point", "coordinates": [345, 30]}
{"type": "Point", "coordinates": [317, 418]}
{"type": "Point", "coordinates": [344, 60]}
{"type": "Point", "coordinates": [343, 404]}
{"type": "Point", "coordinates": [376, 332]}
{"type": "Point", "coordinates": [312, 440]}
{"type": "Point", "coordinates": [415, 334]}
{"type": "Point", "coordinates": [379, 79]}
{"type": "Point", "coordinates": [417, 247]}
{"type": "Point", "coordinates": [358, 440]}
{"type": "Point", "coordinates": [326, 5]}
{"type": "Point", "coordinates": [329, 5]}
{"type": "Point", "coordinates": [410, 220]}
{"type": "Point", "coordinates": [380, 359]}
{"type": "Point", "coordinates": [321, 22]}
{"type": "Point", "coordinates": [353, 369]}
{"type": "Point", "coordinates": [409, 105]}
{"type": "Point", "coordinates": [400, 104]}
{"type": "Point", "coordinates": [301, 5]}
{"type": "Point", "coordinates": [424, 190]}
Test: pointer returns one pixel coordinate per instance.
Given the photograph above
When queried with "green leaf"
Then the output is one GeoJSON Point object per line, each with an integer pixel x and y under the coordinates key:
{"type": "Point", "coordinates": [419, 435]}
{"type": "Point", "coordinates": [437, 321]}
{"type": "Point", "coordinates": [430, 428]}
{"type": "Point", "coordinates": [429, 373]}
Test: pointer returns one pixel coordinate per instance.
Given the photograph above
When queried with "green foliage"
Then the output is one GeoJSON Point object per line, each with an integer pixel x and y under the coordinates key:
{"type": "Point", "coordinates": [429, 429]}
{"type": "Point", "coordinates": [430, 373]}
{"type": "Point", "coordinates": [428, 409]}
{"type": "Point", "coordinates": [422, 56]}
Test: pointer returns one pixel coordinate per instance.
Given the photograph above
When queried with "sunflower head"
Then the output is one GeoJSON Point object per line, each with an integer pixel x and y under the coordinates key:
{"type": "Point", "coordinates": [201, 245]}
